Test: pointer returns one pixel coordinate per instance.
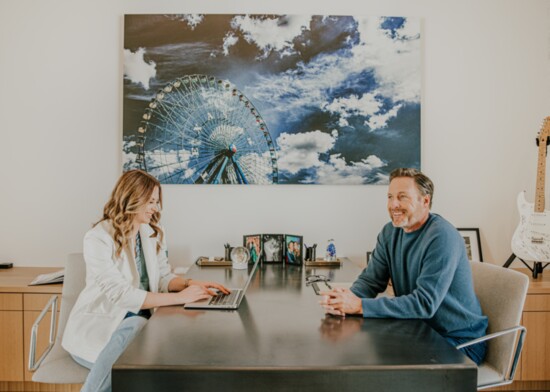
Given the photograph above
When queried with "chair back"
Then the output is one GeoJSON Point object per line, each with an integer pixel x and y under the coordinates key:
{"type": "Point", "coordinates": [73, 283]}
{"type": "Point", "coordinates": [501, 293]}
{"type": "Point", "coordinates": [58, 367]}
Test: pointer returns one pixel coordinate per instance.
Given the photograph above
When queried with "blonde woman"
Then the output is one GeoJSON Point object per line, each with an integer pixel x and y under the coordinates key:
{"type": "Point", "coordinates": [127, 274]}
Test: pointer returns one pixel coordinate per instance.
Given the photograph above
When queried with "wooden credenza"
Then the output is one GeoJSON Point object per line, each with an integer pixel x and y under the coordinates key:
{"type": "Point", "coordinates": [20, 305]}
{"type": "Point", "coordinates": [533, 373]}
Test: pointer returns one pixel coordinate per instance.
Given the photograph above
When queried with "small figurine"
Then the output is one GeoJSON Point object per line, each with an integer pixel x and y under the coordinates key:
{"type": "Point", "coordinates": [330, 254]}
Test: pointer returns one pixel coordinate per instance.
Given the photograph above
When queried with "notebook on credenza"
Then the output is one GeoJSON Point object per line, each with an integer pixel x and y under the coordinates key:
{"type": "Point", "coordinates": [225, 301]}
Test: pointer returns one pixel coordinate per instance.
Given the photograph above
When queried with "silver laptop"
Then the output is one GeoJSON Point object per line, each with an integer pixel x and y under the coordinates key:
{"type": "Point", "coordinates": [225, 301]}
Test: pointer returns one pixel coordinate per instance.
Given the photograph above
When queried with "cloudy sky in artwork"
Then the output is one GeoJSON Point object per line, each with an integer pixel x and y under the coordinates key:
{"type": "Point", "coordinates": [340, 95]}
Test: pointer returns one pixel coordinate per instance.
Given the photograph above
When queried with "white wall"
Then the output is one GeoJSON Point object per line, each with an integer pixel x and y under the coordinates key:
{"type": "Point", "coordinates": [486, 89]}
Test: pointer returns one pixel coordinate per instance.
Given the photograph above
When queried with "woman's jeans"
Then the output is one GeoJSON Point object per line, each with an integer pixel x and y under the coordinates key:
{"type": "Point", "coordinates": [99, 379]}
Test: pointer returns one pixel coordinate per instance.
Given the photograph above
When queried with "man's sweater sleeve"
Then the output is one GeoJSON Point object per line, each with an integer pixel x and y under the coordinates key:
{"type": "Point", "coordinates": [438, 264]}
{"type": "Point", "coordinates": [373, 279]}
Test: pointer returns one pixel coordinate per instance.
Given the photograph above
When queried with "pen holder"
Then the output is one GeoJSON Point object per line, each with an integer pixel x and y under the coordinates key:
{"type": "Point", "coordinates": [227, 256]}
{"type": "Point", "coordinates": [310, 253]}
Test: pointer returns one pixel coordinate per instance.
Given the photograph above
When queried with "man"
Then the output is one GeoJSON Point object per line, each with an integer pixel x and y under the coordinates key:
{"type": "Point", "coordinates": [425, 258]}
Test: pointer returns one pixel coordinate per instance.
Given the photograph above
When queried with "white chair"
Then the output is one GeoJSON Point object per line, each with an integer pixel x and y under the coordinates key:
{"type": "Point", "coordinates": [501, 293]}
{"type": "Point", "coordinates": [56, 366]}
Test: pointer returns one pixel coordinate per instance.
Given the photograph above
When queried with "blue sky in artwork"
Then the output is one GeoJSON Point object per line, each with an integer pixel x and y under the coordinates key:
{"type": "Point", "coordinates": [340, 95]}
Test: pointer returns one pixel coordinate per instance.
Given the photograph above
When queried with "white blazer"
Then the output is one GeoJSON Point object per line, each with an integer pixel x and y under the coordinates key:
{"type": "Point", "coordinates": [112, 288]}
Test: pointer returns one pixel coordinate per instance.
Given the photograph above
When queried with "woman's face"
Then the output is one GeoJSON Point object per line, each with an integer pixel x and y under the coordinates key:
{"type": "Point", "coordinates": [146, 211]}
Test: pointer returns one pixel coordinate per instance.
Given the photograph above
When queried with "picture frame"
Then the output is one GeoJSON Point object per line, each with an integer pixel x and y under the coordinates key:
{"type": "Point", "coordinates": [294, 249]}
{"type": "Point", "coordinates": [472, 241]}
{"type": "Point", "coordinates": [253, 242]}
{"type": "Point", "coordinates": [273, 248]}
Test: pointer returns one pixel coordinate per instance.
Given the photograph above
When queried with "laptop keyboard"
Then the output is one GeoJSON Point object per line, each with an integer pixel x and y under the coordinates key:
{"type": "Point", "coordinates": [225, 299]}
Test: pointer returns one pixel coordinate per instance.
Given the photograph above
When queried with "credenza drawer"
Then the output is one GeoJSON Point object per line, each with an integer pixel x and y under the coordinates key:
{"type": "Point", "coordinates": [38, 301]}
{"type": "Point", "coordinates": [11, 301]}
{"type": "Point", "coordinates": [537, 303]}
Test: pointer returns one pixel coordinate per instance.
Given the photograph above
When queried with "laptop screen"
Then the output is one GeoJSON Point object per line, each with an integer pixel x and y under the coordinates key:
{"type": "Point", "coordinates": [251, 275]}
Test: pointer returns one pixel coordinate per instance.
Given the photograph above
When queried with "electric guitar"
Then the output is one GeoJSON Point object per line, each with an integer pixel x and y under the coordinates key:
{"type": "Point", "coordinates": [531, 240]}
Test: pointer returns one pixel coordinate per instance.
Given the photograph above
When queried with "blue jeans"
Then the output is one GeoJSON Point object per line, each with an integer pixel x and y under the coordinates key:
{"type": "Point", "coordinates": [99, 378]}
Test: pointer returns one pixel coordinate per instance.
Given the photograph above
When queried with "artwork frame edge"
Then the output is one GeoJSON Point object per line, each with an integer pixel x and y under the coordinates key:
{"type": "Point", "coordinates": [474, 237]}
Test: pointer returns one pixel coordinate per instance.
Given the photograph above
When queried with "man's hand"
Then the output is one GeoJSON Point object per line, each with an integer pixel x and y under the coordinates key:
{"type": "Point", "coordinates": [340, 302]}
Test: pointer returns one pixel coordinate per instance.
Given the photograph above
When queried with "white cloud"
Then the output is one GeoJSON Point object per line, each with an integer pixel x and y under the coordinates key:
{"type": "Point", "coordinates": [271, 34]}
{"type": "Point", "coordinates": [137, 69]}
{"type": "Point", "coordinates": [193, 20]}
{"type": "Point", "coordinates": [337, 171]}
{"type": "Point", "coordinates": [368, 106]}
{"type": "Point", "coordinates": [379, 121]}
{"type": "Point", "coordinates": [301, 150]}
{"type": "Point", "coordinates": [395, 64]}
{"type": "Point", "coordinates": [228, 41]}
{"type": "Point", "coordinates": [396, 61]}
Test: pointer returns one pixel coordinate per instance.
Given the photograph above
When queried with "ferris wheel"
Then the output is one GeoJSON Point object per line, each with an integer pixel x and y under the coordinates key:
{"type": "Point", "coordinates": [202, 130]}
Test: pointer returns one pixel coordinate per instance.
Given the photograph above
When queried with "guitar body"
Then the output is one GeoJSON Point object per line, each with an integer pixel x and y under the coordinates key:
{"type": "Point", "coordinates": [531, 240]}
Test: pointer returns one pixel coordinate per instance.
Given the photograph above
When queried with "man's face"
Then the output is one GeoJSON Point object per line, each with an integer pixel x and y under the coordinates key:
{"type": "Point", "coordinates": [407, 207]}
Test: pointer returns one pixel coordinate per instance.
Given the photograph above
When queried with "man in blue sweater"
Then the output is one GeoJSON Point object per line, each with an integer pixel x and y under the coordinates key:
{"type": "Point", "coordinates": [425, 258]}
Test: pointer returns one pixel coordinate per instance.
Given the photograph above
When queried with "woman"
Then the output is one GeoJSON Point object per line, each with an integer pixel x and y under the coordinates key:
{"type": "Point", "coordinates": [127, 274]}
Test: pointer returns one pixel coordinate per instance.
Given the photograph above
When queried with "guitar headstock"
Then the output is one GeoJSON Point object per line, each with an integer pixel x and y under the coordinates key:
{"type": "Point", "coordinates": [544, 133]}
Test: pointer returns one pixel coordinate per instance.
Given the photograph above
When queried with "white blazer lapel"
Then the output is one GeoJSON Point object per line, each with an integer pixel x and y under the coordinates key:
{"type": "Point", "coordinates": [149, 246]}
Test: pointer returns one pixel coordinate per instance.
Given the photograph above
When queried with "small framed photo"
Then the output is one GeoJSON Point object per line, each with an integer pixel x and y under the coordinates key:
{"type": "Point", "coordinates": [273, 248]}
{"type": "Point", "coordinates": [253, 242]}
{"type": "Point", "coordinates": [293, 249]}
{"type": "Point", "coordinates": [473, 243]}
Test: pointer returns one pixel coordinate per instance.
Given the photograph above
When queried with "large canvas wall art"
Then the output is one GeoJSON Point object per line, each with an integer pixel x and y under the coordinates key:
{"type": "Point", "coordinates": [271, 99]}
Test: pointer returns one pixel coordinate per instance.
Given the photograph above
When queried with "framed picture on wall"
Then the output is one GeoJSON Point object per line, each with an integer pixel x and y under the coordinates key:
{"type": "Point", "coordinates": [472, 242]}
{"type": "Point", "coordinates": [273, 247]}
{"type": "Point", "coordinates": [253, 242]}
{"type": "Point", "coordinates": [293, 249]}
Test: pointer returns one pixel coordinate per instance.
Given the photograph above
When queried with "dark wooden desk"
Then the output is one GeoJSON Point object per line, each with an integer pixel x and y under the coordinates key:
{"type": "Point", "coordinates": [280, 340]}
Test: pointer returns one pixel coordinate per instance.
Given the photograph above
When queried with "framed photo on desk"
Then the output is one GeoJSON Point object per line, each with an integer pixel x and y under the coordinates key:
{"type": "Point", "coordinates": [293, 249]}
{"type": "Point", "coordinates": [253, 242]}
{"type": "Point", "coordinates": [273, 248]}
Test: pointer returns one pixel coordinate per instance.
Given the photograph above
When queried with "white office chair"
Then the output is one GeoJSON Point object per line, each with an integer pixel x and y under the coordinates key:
{"type": "Point", "coordinates": [56, 366]}
{"type": "Point", "coordinates": [501, 293]}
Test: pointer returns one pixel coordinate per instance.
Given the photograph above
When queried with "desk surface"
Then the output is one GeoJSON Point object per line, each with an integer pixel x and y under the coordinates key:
{"type": "Point", "coordinates": [17, 280]}
{"type": "Point", "coordinates": [279, 337]}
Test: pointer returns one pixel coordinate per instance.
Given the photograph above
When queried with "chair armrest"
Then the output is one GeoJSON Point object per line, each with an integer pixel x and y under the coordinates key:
{"type": "Point", "coordinates": [517, 351]}
{"type": "Point", "coordinates": [52, 303]}
{"type": "Point", "coordinates": [492, 336]}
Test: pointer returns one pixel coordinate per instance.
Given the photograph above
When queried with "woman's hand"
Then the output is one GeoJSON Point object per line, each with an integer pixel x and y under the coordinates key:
{"type": "Point", "coordinates": [192, 294]}
{"type": "Point", "coordinates": [206, 285]}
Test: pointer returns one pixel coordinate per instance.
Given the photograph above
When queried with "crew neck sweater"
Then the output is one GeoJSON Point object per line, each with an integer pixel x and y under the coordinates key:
{"type": "Point", "coordinates": [431, 278]}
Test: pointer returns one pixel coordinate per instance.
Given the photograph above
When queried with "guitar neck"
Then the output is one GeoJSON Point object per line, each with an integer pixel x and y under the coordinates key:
{"type": "Point", "coordinates": [541, 175]}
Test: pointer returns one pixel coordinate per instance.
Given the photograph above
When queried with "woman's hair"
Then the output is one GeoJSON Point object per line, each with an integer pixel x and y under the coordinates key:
{"type": "Point", "coordinates": [423, 183]}
{"type": "Point", "coordinates": [132, 191]}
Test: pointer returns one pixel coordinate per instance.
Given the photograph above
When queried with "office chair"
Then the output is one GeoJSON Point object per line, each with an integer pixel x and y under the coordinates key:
{"type": "Point", "coordinates": [56, 366]}
{"type": "Point", "coordinates": [501, 293]}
